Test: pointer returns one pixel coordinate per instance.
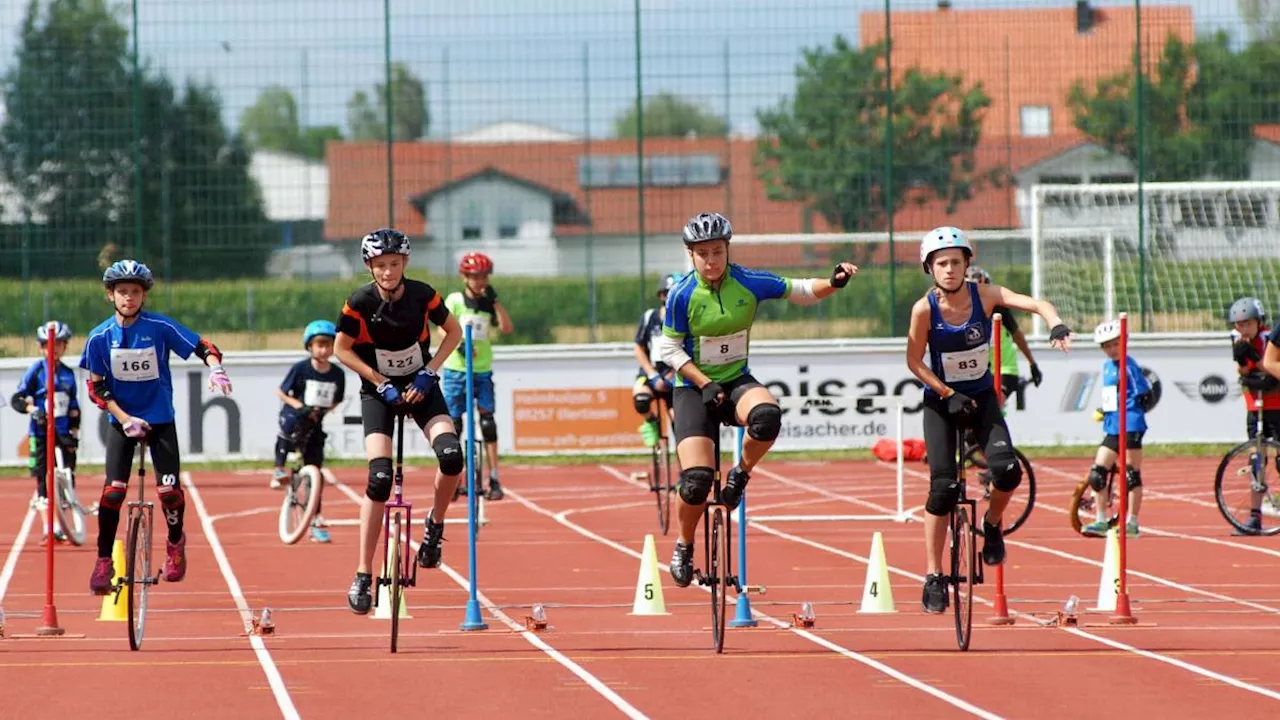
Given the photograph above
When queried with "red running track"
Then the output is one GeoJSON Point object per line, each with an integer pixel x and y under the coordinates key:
{"type": "Point", "coordinates": [1208, 605]}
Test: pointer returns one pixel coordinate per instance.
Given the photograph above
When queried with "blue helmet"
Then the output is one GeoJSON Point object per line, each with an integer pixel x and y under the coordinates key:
{"type": "Point", "coordinates": [669, 281]}
{"type": "Point", "coordinates": [128, 271]}
{"type": "Point", "coordinates": [317, 327]}
{"type": "Point", "coordinates": [60, 332]}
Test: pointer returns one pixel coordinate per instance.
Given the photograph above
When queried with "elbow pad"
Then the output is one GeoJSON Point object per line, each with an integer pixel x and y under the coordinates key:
{"type": "Point", "coordinates": [100, 393]}
{"type": "Point", "coordinates": [672, 352]}
{"type": "Point", "coordinates": [802, 292]}
{"type": "Point", "coordinates": [19, 402]}
{"type": "Point", "coordinates": [206, 350]}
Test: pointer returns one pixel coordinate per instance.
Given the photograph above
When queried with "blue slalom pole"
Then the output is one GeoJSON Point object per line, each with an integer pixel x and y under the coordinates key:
{"type": "Point", "coordinates": [742, 615]}
{"type": "Point", "coordinates": [473, 619]}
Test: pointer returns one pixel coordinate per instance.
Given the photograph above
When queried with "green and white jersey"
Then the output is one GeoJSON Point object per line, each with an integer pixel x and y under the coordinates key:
{"type": "Point", "coordinates": [482, 331]}
{"type": "Point", "coordinates": [714, 325]}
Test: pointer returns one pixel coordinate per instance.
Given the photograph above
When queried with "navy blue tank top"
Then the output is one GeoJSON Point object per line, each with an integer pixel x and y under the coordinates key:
{"type": "Point", "coordinates": [960, 355]}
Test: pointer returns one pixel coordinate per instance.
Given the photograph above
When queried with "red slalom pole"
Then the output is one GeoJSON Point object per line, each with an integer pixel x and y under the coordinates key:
{"type": "Point", "coordinates": [1124, 615]}
{"type": "Point", "coordinates": [49, 619]}
{"type": "Point", "coordinates": [1000, 608]}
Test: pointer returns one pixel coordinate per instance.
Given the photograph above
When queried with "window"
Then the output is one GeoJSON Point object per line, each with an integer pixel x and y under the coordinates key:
{"type": "Point", "coordinates": [472, 221]}
{"type": "Point", "coordinates": [1059, 179]}
{"type": "Point", "coordinates": [508, 221]}
{"type": "Point", "coordinates": [1036, 121]}
{"type": "Point", "coordinates": [619, 171]}
{"type": "Point", "coordinates": [1115, 179]}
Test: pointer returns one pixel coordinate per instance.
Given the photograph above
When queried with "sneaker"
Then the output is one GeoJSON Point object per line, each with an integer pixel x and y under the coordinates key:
{"type": "Point", "coordinates": [319, 533]}
{"type": "Point", "coordinates": [734, 485]}
{"type": "Point", "coordinates": [992, 543]}
{"type": "Point", "coordinates": [934, 597]}
{"type": "Point", "coordinates": [429, 550]}
{"type": "Point", "coordinates": [1095, 529]}
{"type": "Point", "coordinates": [175, 559]}
{"type": "Point", "coordinates": [1254, 526]}
{"type": "Point", "coordinates": [682, 564]}
{"type": "Point", "coordinates": [1131, 529]}
{"type": "Point", "coordinates": [649, 431]}
{"type": "Point", "coordinates": [495, 489]}
{"type": "Point", "coordinates": [277, 478]}
{"type": "Point", "coordinates": [101, 580]}
{"type": "Point", "coordinates": [359, 596]}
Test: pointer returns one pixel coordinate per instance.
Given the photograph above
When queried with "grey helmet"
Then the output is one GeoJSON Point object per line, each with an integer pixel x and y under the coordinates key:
{"type": "Point", "coordinates": [1246, 308]}
{"type": "Point", "coordinates": [707, 226]}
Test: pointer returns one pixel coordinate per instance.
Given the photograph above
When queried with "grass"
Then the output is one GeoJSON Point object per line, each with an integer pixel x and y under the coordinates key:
{"type": "Point", "coordinates": [1084, 452]}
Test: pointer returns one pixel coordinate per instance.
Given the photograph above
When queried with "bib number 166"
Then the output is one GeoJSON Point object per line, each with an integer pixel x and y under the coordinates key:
{"type": "Point", "coordinates": [133, 366]}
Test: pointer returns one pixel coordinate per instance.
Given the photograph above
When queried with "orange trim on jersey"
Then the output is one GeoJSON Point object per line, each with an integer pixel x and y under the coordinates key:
{"type": "Point", "coordinates": [426, 320]}
{"type": "Point", "coordinates": [364, 336]}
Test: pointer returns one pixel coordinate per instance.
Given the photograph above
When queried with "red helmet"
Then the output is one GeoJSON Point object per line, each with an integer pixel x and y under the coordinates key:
{"type": "Point", "coordinates": [475, 264]}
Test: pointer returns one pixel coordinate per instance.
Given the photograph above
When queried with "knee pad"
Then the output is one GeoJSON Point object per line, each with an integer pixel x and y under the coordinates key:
{"type": "Point", "coordinates": [643, 401]}
{"type": "Point", "coordinates": [171, 497]}
{"type": "Point", "coordinates": [695, 484]}
{"type": "Point", "coordinates": [113, 495]}
{"type": "Point", "coordinates": [764, 422]}
{"type": "Point", "coordinates": [379, 488]}
{"type": "Point", "coordinates": [1134, 478]}
{"type": "Point", "coordinates": [944, 493]}
{"type": "Point", "coordinates": [1006, 471]}
{"type": "Point", "coordinates": [488, 427]}
{"type": "Point", "coordinates": [449, 454]}
{"type": "Point", "coordinates": [1098, 477]}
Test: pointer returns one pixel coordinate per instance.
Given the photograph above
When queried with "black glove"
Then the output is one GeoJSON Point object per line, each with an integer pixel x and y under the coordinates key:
{"type": "Point", "coordinates": [1059, 332]}
{"type": "Point", "coordinates": [1243, 352]}
{"type": "Point", "coordinates": [1036, 377]}
{"type": "Point", "coordinates": [39, 416]}
{"type": "Point", "coordinates": [70, 442]}
{"type": "Point", "coordinates": [485, 302]}
{"type": "Point", "coordinates": [960, 404]}
{"type": "Point", "coordinates": [1259, 381]}
{"type": "Point", "coordinates": [839, 276]}
{"type": "Point", "coordinates": [712, 394]}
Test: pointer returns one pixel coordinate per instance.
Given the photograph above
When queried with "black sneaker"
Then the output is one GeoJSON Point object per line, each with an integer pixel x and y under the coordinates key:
{"type": "Point", "coordinates": [359, 597]}
{"type": "Point", "coordinates": [734, 485]}
{"type": "Point", "coordinates": [495, 489]}
{"type": "Point", "coordinates": [934, 599]}
{"type": "Point", "coordinates": [682, 564]}
{"type": "Point", "coordinates": [992, 543]}
{"type": "Point", "coordinates": [429, 550]}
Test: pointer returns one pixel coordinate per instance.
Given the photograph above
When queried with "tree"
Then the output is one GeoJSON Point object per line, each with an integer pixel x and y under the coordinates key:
{"type": "Point", "coordinates": [668, 115]}
{"type": "Point", "coordinates": [410, 118]}
{"type": "Point", "coordinates": [271, 123]}
{"type": "Point", "coordinates": [1199, 113]}
{"type": "Point", "coordinates": [1261, 18]}
{"type": "Point", "coordinates": [67, 146]}
{"type": "Point", "coordinates": [826, 147]}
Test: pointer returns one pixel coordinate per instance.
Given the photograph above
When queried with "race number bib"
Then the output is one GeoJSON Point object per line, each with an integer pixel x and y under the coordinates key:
{"type": "Point", "coordinates": [398, 363]}
{"type": "Point", "coordinates": [479, 327]}
{"type": "Point", "coordinates": [966, 364]}
{"type": "Point", "coordinates": [318, 393]}
{"type": "Point", "coordinates": [61, 404]}
{"type": "Point", "coordinates": [655, 353]}
{"type": "Point", "coordinates": [1110, 398]}
{"type": "Point", "coordinates": [135, 365]}
{"type": "Point", "coordinates": [724, 349]}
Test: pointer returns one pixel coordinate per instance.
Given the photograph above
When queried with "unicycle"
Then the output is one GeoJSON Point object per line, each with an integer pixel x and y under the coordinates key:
{"type": "Point", "coordinates": [65, 504]}
{"type": "Point", "coordinates": [660, 479]}
{"type": "Point", "coordinates": [138, 579]}
{"type": "Point", "coordinates": [1083, 510]}
{"type": "Point", "coordinates": [303, 488]}
{"type": "Point", "coordinates": [1243, 494]}
{"type": "Point", "coordinates": [398, 568]}
{"type": "Point", "coordinates": [716, 526]}
{"type": "Point", "coordinates": [965, 570]}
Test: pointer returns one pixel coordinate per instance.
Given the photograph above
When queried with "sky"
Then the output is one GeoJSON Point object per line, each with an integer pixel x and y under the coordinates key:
{"type": "Point", "coordinates": [491, 60]}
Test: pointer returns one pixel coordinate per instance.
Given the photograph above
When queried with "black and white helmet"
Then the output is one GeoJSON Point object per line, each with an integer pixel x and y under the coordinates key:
{"type": "Point", "coordinates": [707, 226]}
{"type": "Point", "coordinates": [1246, 308]}
{"type": "Point", "coordinates": [383, 242]}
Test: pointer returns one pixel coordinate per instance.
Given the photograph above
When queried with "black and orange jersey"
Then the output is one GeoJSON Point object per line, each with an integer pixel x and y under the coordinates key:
{"type": "Point", "coordinates": [1253, 363]}
{"type": "Point", "coordinates": [393, 338]}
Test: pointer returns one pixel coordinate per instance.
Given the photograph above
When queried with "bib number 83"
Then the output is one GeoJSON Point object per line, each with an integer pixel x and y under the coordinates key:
{"type": "Point", "coordinates": [968, 364]}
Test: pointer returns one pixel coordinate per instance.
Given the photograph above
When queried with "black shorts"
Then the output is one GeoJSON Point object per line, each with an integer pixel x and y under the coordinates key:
{"type": "Point", "coordinates": [692, 417]}
{"type": "Point", "coordinates": [312, 451]}
{"type": "Point", "coordinates": [1270, 424]}
{"type": "Point", "coordinates": [1009, 385]}
{"type": "Point", "coordinates": [1132, 441]}
{"type": "Point", "coordinates": [162, 441]}
{"type": "Point", "coordinates": [36, 449]}
{"type": "Point", "coordinates": [940, 431]}
{"type": "Point", "coordinates": [379, 417]}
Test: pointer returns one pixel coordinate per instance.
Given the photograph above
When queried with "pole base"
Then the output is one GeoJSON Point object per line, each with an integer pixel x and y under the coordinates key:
{"type": "Point", "coordinates": [1124, 614]}
{"type": "Point", "coordinates": [473, 620]}
{"type": "Point", "coordinates": [49, 623]}
{"type": "Point", "coordinates": [1000, 608]}
{"type": "Point", "coordinates": [49, 631]}
{"type": "Point", "coordinates": [742, 616]}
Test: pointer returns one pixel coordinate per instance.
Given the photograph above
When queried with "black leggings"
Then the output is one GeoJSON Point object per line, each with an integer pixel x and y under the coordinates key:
{"type": "Point", "coordinates": [163, 443]}
{"type": "Point", "coordinates": [940, 442]}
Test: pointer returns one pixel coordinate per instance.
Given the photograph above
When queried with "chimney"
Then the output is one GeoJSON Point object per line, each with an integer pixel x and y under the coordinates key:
{"type": "Point", "coordinates": [1084, 17]}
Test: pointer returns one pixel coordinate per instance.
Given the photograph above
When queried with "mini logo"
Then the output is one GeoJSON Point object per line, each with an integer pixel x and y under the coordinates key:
{"type": "Point", "coordinates": [973, 334]}
{"type": "Point", "coordinates": [1213, 389]}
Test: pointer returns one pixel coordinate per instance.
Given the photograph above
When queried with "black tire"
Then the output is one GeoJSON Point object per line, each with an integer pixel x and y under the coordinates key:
{"type": "Point", "coordinates": [395, 570]}
{"type": "Point", "coordinates": [138, 576]}
{"type": "Point", "coordinates": [964, 557]}
{"type": "Point", "coordinates": [719, 572]}
{"type": "Point", "coordinates": [1225, 480]}
{"type": "Point", "coordinates": [1026, 489]}
{"type": "Point", "coordinates": [659, 483]}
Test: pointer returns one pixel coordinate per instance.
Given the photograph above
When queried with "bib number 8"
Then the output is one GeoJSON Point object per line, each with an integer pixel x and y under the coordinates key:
{"type": "Point", "coordinates": [724, 349]}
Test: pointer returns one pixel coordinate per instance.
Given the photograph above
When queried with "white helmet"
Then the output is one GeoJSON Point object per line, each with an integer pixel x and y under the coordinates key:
{"type": "Point", "coordinates": [941, 239]}
{"type": "Point", "coordinates": [1106, 332]}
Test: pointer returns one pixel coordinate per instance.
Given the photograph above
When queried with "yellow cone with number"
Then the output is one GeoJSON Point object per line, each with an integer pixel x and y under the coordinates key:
{"type": "Point", "coordinates": [877, 593]}
{"type": "Point", "coordinates": [649, 599]}
{"type": "Point", "coordinates": [1109, 584]}
{"type": "Point", "coordinates": [113, 611]}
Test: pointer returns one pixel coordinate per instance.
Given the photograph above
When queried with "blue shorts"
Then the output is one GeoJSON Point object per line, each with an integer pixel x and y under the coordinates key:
{"type": "Point", "coordinates": [454, 385]}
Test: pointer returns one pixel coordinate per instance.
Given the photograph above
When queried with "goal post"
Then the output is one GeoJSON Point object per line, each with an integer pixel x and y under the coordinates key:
{"type": "Point", "coordinates": [1176, 265]}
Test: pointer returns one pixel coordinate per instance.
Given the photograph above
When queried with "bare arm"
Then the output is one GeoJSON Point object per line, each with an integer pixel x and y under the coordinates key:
{"type": "Point", "coordinates": [504, 320]}
{"type": "Point", "coordinates": [642, 356]}
{"type": "Point", "coordinates": [452, 338]}
{"type": "Point", "coordinates": [917, 341]}
{"type": "Point", "coordinates": [288, 399]}
{"type": "Point", "coordinates": [1271, 360]}
{"type": "Point", "coordinates": [993, 295]}
{"type": "Point", "coordinates": [344, 348]}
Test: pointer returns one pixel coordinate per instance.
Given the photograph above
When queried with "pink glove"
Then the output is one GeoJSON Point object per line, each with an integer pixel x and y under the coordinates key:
{"type": "Point", "coordinates": [136, 428]}
{"type": "Point", "coordinates": [219, 382]}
